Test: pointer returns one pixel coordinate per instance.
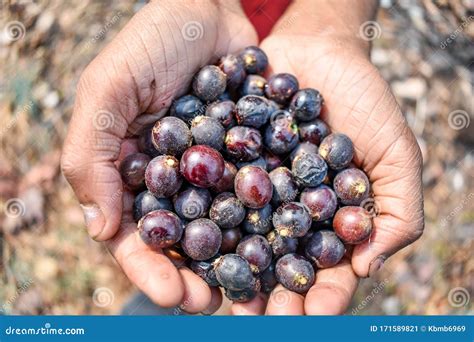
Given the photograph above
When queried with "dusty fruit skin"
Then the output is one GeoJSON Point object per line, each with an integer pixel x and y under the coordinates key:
{"type": "Point", "coordinates": [281, 87]}
{"type": "Point", "coordinates": [281, 245]}
{"type": "Point", "coordinates": [268, 279]}
{"type": "Point", "coordinates": [202, 166]}
{"type": "Point", "coordinates": [230, 239]}
{"type": "Point", "coordinates": [209, 83]}
{"type": "Point", "coordinates": [187, 108]}
{"type": "Point", "coordinates": [257, 251]}
{"type": "Point", "coordinates": [258, 221]}
{"type": "Point", "coordinates": [226, 183]}
{"type": "Point", "coordinates": [309, 169]}
{"type": "Point", "coordinates": [324, 249]}
{"type": "Point", "coordinates": [285, 188]}
{"type": "Point", "coordinates": [208, 131]}
{"type": "Point", "coordinates": [352, 186]}
{"type": "Point", "coordinates": [306, 104]}
{"type": "Point", "coordinates": [192, 203]}
{"type": "Point", "coordinates": [292, 220]}
{"type": "Point", "coordinates": [260, 162]}
{"type": "Point", "coordinates": [145, 145]}
{"type": "Point", "coordinates": [352, 225]}
{"type": "Point", "coordinates": [233, 272]}
{"type": "Point", "coordinates": [252, 110]}
{"type": "Point", "coordinates": [160, 228]}
{"type": "Point", "coordinates": [313, 131]}
{"type": "Point", "coordinates": [304, 147]}
{"type": "Point", "coordinates": [253, 187]}
{"type": "Point", "coordinates": [337, 150]}
{"type": "Point", "coordinates": [253, 85]}
{"type": "Point", "coordinates": [281, 134]}
{"type": "Point", "coordinates": [272, 160]}
{"type": "Point", "coordinates": [146, 202]}
{"type": "Point", "coordinates": [171, 136]}
{"type": "Point", "coordinates": [162, 176]}
{"type": "Point", "coordinates": [295, 273]}
{"type": "Point", "coordinates": [227, 211]}
{"type": "Point", "coordinates": [233, 67]}
{"type": "Point", "coordinates": [205, 269]}
{"type": "Point", "coordinates": [202, 239]}
{"type": "Point", "coordinates": [224, 112]}
{"type": "Point", "coordinates": [243, 143]}
{"type": "Point", "coordinates": [255, 60]}
{"type": "Point", "coordinates": [132, 169]}
{"type": "Point", "coordinates": [321, 202]}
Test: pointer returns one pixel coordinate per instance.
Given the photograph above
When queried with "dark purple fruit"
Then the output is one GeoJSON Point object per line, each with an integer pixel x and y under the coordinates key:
{"type": "Point", "coordinates": [227, 211]}
{"type": "Point", "coordinates": [272, 160]}
{"type": "Point", "coordinates": [209, 83]}
{"type": "Point", "coordinates": [233, 67]}
{"type": "Point", "coordinates": [295, 273]}
{"type": "Point", "coordinates": [309, 169]}
{"type": "Point", "coordinates": [321, 202]}
{"type": "Point", "coordinates": [146, 202]}
{"type": "Point", "coordinates": [187, 108]}
{"type": "Point", "coordinates": [132, 169]}
{"type": "Point", "coordinates": [202, 239]}
{"type": "Point", "coordinates": [304, 147]}
{"type": "Point", "coordinates": [292, 220]}
{"type": "Point", "coordinates": [253, 187]}
{"type": "Point", "coordinates": [208, 131]}
{"type": "Point", "coordinates": [224, 112]}
{"type": "Point", "coordinates": [260, 162]}
{"type": "Point", "coordinates": [205, 269]}
{"type": "Point", "coordinates": [281, 134]}
{"type": "Point", "coordinates": [285, 188]}
{"type": "Point", "coordinates": [253, 85]}
{"type": "Point", "coordinates": [314, 131]}
{"type": "Point", "coordinates": [306, 104]}
{"type": "Point", "coordinates": [171, 136]}
{"type": "Point", "coordinates": [324, 249]}
{"type": "Point", "coordinates": [252, 110]}
{"type": "Point", "coordinates": [202, 166]}
{"type": "Point", "coordinates": [192, 203]}
{"type": "Point", "coordinates": [255, 60]}
{"type": "Point", "coordinates": [337, 150]}
{"type": "Point", "coordinates": [352, 186]}
{"type": "Point", "coordinates": [230, 239]}
{"type": "Point", "coordinates": [145, 144]}
{"type": "Point", "coordinates": [257, 251]}
{"type": "Point", "coordinates": [226, 183]}
{"type": "Point", "coordinates": [233, 272]}
{"type": "Point", "coordinates": [243, 143]}
{"type": "Point", "coordinates": [268, 279]}
{"type": "Point", "coordinates": [353, 225]}
{"type": "Point", "coordinates": [258, 221]}
{"type": "Point", "coordinates": [281, 245]}
{"type": "Point", "coordinates": [162, 176]}
{"type": "Point", "coordinates": [281, 88]}
{"type": "Point", "coordinates": [160, 228]}
{"type": "Point", "coordinates": [241, 296]}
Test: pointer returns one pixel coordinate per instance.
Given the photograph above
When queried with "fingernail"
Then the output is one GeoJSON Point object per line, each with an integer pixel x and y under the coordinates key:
{"type": "Point", "coordinates": [94, 219]}
{"type": "Point", "coordinates": [376, 265]}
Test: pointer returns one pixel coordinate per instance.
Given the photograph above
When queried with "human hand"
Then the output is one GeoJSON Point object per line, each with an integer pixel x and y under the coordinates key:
{"type": "Point", "coordinates": [129, 85]}
{"type": "Point", "coordinates": [358, 103]}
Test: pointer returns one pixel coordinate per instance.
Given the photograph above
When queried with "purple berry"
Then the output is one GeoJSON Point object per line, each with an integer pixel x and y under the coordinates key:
{"type": "Point", "coordinates": [160, 228]}
{"type": "Point", "coordinates": [230, 239]}
{"type": "Point", "coordinates": [281, 135]}
{"type": "Point", "coordinates": [202, 239]}
{"type": "Point", "coordinates": [253, 85]}
{"type": "Point", "coordinates": [321, 202]}
{"type": "Point", "coordinates": [205, 269]}
{"type": "Point", "coordinates": [209, 83]}
{"type": "Point", "coordinates": [353, 225]}
{"type": "Point", "coordinates": [227, 211]}
{"type": "Point", "coordinates": [306, 104]}
{"type": "Point", "coordinates": [132, 169]}
{"type": "Point", "coordinates": [281, 88]}
{"type": "Point", "coordinates": [224, 112]}
{"type": "Point", "coordinates": [324, 248]}
{"type": "Point", "coordinates": [314, 131]}
{"type": "Point", "coordinates": [192, 203]}
{"type": "Point", "coordinates": [309, 169]}
{"type": "Point", "coordinates": [233, 67]}
{"type": "Point", "coordinates": [187, 108]}
{"type": "Point", "coordinates": [208, 131]}
{"type": "Point", "coordinates": [171, 136]}
{"type": "Point", "coordinates": [202, 166]}
{"type": "Point", "coordinates": [268, 279]}
{"type": "Point", "coordinates": [226, 183]}
{"type": "Point", "coordinates": [352, 186]}
{"type": "Point", "coordinates": [257, 251]}
{"type": "Point", "coordinates": [145, 144]}
{"type": "Point", "coordinates": [162, 176]}
{"type": "Point", "coordinates": [233, 272]}
{"type": "Point", "coordinates": [146, 202]}
{"type": "Point", "coordinates": [285, 188]}
{"type": "Point", "coordinates": [253, 187]}
{"type": "Point", "coordinates": [258, 221]}
{"type": "Point", "coordinates": [304, 147]}
{"type": "Point", "coordinates": [243, 143]}
{"type": "Point", "coordinates": [292, 220]}
{"type": "Point", "coordinates": [255, 60]}
{"type": "Point", "coordinates": [281, 245]}
{"type": "Point", "coordinates": [260, 162]}
{"type": "Point", "coordinates": [252, 110]}
{"type": "Point", "coordinates": [295, 273]}
{"type": "Point", "coordinates": [337, 150]}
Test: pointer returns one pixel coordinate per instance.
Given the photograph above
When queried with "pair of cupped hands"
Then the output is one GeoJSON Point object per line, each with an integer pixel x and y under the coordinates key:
{"type": "Point", "coordinates": [134, 80]}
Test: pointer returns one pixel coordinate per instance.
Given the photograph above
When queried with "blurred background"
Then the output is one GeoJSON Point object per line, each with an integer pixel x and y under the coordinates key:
{"type": "Point", "coordinates": [48, 264]}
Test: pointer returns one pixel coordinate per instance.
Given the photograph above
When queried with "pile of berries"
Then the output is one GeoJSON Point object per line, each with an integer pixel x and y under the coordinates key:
{"type": "Point", "coordinates": [244, 184]}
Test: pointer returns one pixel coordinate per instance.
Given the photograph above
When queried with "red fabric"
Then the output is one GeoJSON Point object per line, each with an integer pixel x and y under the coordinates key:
{"type": "Point", "coordinates": [264, 14]}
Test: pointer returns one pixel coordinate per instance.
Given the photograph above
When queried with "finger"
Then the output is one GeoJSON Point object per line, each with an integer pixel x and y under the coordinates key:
{"type": "Point", "coordinates": [216, 301]}
{"type": "Point", "coordinates": [397, 207]}
{"type": "Point", "coordinates": [333, 290]}
{"type": "Point", "coordinates": [197, 294]}
{"type": "Point", "coordinates": [150, 270]}
{"type": "Point", "coordinates": [252, 308]}
{"type": "Point", "coordinates": [284, 302]}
